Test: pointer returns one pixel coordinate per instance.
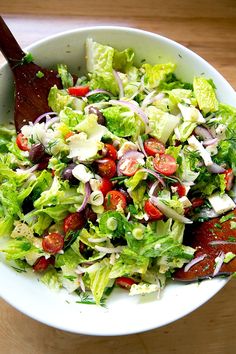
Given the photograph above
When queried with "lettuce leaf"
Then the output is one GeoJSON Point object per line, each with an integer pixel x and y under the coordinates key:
{"type": "Point", "coordinates": [122, 61]}
{"type": "Point", "coordinates": [128, 264]}
{"type": "Point", "coordinates": [122, 122]}
{"type": "Point", "coordinates": [99, 279]}
{"type": "Point", "coordinates": [100, 66]}
{"type": "Point", "coordinates": [205, 95]}
{"type": "Point", "coordinates": [153, 75]}
{"type": "Point", "coordinates": [162, 124]}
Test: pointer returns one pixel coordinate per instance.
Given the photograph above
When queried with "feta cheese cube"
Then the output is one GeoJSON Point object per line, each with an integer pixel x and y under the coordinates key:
{"type": "Point", "coordinates": [221, 203]}
{"type": "Point", "coordinates": [185, 202]}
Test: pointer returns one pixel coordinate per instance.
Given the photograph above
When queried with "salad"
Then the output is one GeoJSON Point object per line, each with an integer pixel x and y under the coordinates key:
{"type": "Point", "coordinates": [97, 193]}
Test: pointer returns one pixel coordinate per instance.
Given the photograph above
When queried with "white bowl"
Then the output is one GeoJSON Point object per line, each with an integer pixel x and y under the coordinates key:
{"type": "Point", "coordinates": [123, 314]}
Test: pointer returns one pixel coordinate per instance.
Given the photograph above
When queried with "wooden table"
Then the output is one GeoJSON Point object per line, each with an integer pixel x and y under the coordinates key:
{"type": "Point", "coordinates": [205, 26]}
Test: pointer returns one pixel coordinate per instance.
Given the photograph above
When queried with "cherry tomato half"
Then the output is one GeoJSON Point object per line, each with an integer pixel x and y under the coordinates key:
{"type": "Point", "coordinates": [229, 177]}
{"type": "Point", "coordinates": [22, 142]}
{"type": "Point", "coordinates": [111, 152]}
{"type": "Point", "coordinates": [113, 199]}
{"type": "Point", "coordinates": [180, 189]}
{"type": "Point", "coordinates": [53, 243]}
{"type": "Point", "coordinates": [152, 147]}
{"type": "Point", "coordinates": [152, 211]}
{"type": "Point", "coordinates": [129, 166]}
{"type": "Point", "coordinates": [74, 221]}
{"type": "Point", "coordinates": [42, 263]}
{"type": "Point", "coordinates": [165, 164]}
{"type": "Point", "coordinates": [105, 186]}
{"type": "Point", "coordinates": [106, 167]}
{"type": "Point", "coordinates": [78, 91]}
{"type": "Point", "coordinates": [125, 282]}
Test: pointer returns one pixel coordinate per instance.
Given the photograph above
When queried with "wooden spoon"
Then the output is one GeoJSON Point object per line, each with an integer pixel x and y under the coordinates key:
{"type": "Point", "coordinates": [32, 82]}
{"type": "Point", "coordinates": [210, 239]}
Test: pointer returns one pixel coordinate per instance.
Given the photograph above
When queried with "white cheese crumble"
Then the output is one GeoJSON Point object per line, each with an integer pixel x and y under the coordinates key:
{"type": "Point", "coordinates": [82, 173]}
{"type": "Point", "coordinates": [221, 203]}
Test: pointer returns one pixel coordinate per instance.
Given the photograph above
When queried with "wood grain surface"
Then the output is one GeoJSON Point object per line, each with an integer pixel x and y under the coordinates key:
{"type": "Point", "coordinates": [205, 26]}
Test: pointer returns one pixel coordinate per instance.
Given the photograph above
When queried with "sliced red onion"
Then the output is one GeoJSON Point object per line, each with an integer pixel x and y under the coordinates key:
{"type": "Point", "coordinates": [169, 212]}
{"type": "Point", "coordinates": [153, 188]}
{"type": "Point", "coordinates": [210, 142]}
{"type": "Point", "coordinates": [150, 98]}
{"type": "Point", "coordinates": [194, 261]}
{"type": "Point", "coordinates": [214, 168]}
{"type": "Point", "coordinates": [133, 154]}
{"type": "Point", "coordinates": [203, 132]}
{"type": "Point", "coordinates": [221, 242]}
{"type": "Point", "coordinates": [94, 92]}
{"type": "Point", "coordinates": [140, 143]}
{"type": "Point", "coordinates": [219, 261]}
{"type": "Point", "coordinates": [44, 115]}
{"type": "Point", "coordinates": [27, 170]}
{"type": "Point", "coordinates": [133, 108]}
{"type": "Point", "coordinates": [119, 83]}
{"type": "Point", "coordinates": [86, 197]}
{"type": "Point", "coordinates": [154, 174]}
{"type": "Point", "coordinates": [51, 122]}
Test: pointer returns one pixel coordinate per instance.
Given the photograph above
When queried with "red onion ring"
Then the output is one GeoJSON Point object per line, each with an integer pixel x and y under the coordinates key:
{"type": "Point", "coordinates": [133, 108]}
{"type": "Point", "coordinates": [214, 168]}
{"type": "Point", "coordinates": [141, 146]}
{"type": "Point", "coordinates": [44, 115]}
{"type": "Point", "coordinates": [94, 92]}
{"type": "Point", "coordinates": [154, 174]}
{"type": "Point", "coordinates": [119, 83]}
{"type": "Point", "coordinates": [194, 261]}
{"type": "Point", "coordinates": [27, 170]}
{"type": "Point", "coordinates": [51, 122]}
{"type": "Point", "coordinates": [153, 188]}
{"type": "Point", "coordinates": [203, 132]}
{"type": "Point", "coordinates": [87, 190]}
{"type": "Point", "coordinates": [210, 142]}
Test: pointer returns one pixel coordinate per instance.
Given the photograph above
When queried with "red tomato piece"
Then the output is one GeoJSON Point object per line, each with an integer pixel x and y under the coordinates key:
{"type": "Point", "coordinates": [106, 167]}
{"type": "Point", "coordinates": [113, 198]}
{"type": "Point", "coordinates": [152, 147]}
{"type": "Point", "coordinates": [105, 186]}
{"type": "Point", "coordinates": [41, 264]}
{"type": "Point", "coordinates": [111, 152]}
{"type": "Point", "coordinates": [78, 91]}
{"type": "Point", "coordinates": [125, 282]}
{"type": "Point", "coordinates": [129, 166]}
{"type": "Point", "coordinates": [181, 190]}
{"type": "Point", "coordinates": [22, 142]}
{"type": "Point", "coordinates": [73, 222]}
{"type": "Point", "coordinates": [68, 135]}
{"type": "Point", "coordinates": [229, 178]}
{"type": "Point", "coordinates": [197, 202]}
{"type": "Point", "coordinates": [165, 164]}
{"type": "Point", "coordinates": [53, 243]}
{"type": "Point", "coordinates": [153, 212]}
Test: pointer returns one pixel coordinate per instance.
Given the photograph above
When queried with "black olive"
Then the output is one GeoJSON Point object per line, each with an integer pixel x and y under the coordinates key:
{"type": "Point", "coordinates": [36, 153]}
{"type": "Point", "coordinates": [101, 118]}
{"type": "Point", "coordinates": [67, 174]}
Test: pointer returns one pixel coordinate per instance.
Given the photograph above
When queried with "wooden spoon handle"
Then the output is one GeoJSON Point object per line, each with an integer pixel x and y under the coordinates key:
{"type": "Point", "coordinates": [9, 46]}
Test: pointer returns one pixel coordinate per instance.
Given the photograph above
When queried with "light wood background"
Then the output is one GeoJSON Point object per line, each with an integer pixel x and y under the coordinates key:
{"type": "Point", "coordinates": [205, 26]}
